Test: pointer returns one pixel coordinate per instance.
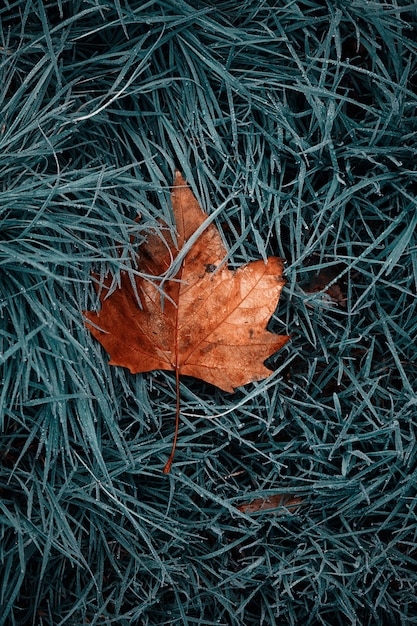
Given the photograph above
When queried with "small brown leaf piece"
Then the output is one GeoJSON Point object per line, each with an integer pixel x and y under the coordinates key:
{"type": "Point", "coordinates": [208, 324]}
{"type": "Point", "coordinates": [207, 321]}
{"type": "Point", "coordinates": [321, 281]}
{"type": "Point", "coordinates": [271, 502]}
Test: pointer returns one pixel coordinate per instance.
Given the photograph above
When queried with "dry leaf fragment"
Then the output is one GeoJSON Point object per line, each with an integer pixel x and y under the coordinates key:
{"type": "Point", "coordinates": [271, 502]}
{"type": "Point", "coordinates": [321, 281]}
{"type": "Point", "coordinates": [210, 322]}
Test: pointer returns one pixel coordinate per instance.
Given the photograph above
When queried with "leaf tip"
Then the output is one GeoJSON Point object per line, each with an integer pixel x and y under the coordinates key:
{"type": "Point", "coordinates": [179, 180]}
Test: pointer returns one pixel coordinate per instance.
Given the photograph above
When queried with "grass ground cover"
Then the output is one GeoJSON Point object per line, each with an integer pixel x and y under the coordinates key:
{"type": "Point", "coordinates": [298, 119]}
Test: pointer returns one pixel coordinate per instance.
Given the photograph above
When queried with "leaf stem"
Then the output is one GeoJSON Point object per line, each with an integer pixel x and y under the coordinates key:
{"type": "Point", "coordinates": [168, 464]}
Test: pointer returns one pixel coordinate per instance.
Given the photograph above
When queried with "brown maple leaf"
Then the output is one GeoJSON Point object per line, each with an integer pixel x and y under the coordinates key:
{"type": "Point", "coordinates": [206, 321]}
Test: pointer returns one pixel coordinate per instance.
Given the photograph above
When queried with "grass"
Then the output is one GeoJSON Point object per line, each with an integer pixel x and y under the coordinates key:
{"type": "Point", "coordinates": [300, 120]}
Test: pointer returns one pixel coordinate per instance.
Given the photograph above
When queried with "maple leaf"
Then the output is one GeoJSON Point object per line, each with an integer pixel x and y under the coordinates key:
{"type": "Point", "coordinates": [207, 321]}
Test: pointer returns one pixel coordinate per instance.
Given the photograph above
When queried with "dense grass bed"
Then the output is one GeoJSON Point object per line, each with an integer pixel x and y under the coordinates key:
{"type": "Point", "coordinates": [299, 119]}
